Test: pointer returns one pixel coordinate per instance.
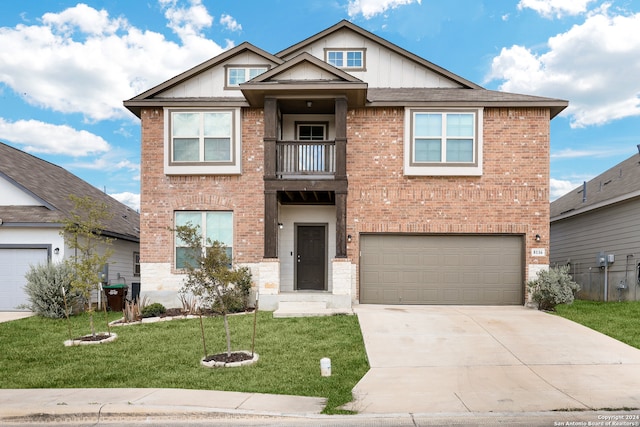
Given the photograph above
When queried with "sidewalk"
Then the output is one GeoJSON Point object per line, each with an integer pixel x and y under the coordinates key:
{"type": "Point", "coordinates": [77, 404]}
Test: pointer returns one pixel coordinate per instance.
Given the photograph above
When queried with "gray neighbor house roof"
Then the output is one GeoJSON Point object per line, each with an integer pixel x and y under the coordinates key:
{"type": "Point", "coordinates": [620, 183]}
{"type": "Point", "coordinates": [52, 186]}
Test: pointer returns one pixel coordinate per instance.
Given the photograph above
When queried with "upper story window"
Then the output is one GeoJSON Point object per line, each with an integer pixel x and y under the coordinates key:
{"type": "Point", "coordinates": [213, 226]}
{"type": "Point", "coordinates": [238, 75]}
{"type": "Point", "coordinates": [443, 142]}
{"type": "Point", "coordinates": [311, 132]}
{"type": "Point", "coordinates": [201, 136]}
{"type": "Point", "coordinates": [346, 58]}
{"type": "Point", "coordinates": [202, 141]}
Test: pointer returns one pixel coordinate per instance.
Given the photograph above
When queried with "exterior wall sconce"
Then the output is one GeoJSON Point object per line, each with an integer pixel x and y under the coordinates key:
{"type": "Point", "coordinates": [280, 226]}
{"type": "Point", "coordinates": [537, 237]}
{"type": "Point", "coordinates": [309, 104]}
{"type": "Point", "coordinates": [349, 238]}
{"type": "Point", "coordinates": [56, 251]}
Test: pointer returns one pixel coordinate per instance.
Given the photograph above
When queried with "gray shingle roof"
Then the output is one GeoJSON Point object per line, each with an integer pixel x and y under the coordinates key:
{"type": "Point", "coordinates": [461, 97]}
{"type": "Point", "coordinates": [52, 185]}
{"type": "Point", "coordinates": [619, 183]}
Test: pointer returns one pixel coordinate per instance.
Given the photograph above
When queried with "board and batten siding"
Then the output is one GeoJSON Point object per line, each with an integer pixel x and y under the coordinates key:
{"type": "Point", "coordinates": [384, 67]}
{"type": "Point", "coordinates": [615, 229]}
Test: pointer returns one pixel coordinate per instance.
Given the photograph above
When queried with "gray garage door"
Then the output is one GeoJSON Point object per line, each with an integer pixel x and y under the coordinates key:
{"type": "Point", "coordinates": [14, 263]}
{"type": "Point", "coordinates": [441, 269]}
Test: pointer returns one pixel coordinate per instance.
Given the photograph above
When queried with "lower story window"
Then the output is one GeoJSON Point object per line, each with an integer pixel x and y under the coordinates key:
{"type": "Point", "coordinates": [213, 226]}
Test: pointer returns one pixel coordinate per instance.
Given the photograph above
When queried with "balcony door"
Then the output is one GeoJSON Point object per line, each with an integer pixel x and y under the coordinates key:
{"type": "Point", "coordinates": [311, 257]}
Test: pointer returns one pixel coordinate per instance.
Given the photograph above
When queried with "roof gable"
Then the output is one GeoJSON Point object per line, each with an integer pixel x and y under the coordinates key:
{"type": "Point", "coordinates": [52, 185]}
{"type": "Point", "coordinates": [308, 75]}
{"type": "Point", "coordinates": [303, 67]}
{"type": "Point", "coordinates": [202, 76]}
{"type": "Point", "coordinates": [346, 25]}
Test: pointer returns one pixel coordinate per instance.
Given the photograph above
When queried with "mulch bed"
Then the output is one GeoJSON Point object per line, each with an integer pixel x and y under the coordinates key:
{"type": "Point", "coordinates": [233, 357]}
{"type": "Point", "coordinates": [96, 337]}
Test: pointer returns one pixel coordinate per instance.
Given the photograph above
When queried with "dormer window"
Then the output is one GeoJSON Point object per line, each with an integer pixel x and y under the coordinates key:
{"type": "Point", "coordinates": [352, 59]}
{"type": "Point", "coordinates": [240, 74]}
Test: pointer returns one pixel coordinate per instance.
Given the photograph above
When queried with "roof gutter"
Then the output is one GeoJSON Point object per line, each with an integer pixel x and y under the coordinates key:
{"type": "Point", "coordinates": [595, 206]}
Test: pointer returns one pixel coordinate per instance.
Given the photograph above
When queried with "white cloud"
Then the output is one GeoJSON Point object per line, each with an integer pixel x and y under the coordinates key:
{"type": "Point", "coordinates": [130, 199]}
{"type": "Point", "coordinates": [570, 153]}
{"type": "Point", "coordinates": [370, 8]}
{"type": "Point", "coordinates": [40, 137]}
{"type": "Point", "coordinates": [187, 22]}
{"type": "Point", "coordinates": [593, 65]}
{"type": "Point", "coordinates": [230, 23]}
{"type": "Point", "coordinates": [558, 188]}
{"type": "Point", "coordinates": [83, 61]}
{"type": "Point", "coordinates": [559, 8]}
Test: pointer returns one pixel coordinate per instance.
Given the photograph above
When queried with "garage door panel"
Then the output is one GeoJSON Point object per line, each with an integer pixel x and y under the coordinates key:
{"type": "Point", "coordinates": [14, 264]}
{"type": "Point", "coordinates": [442, 269]}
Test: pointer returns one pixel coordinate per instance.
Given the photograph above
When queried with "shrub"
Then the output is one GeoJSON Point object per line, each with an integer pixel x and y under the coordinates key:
{"type": "Point", "coordinates": [553, 287]}
{"type": "Point", "coordinates": [44, 289]}
{"type": "Point", "coordinates": [153, 310]}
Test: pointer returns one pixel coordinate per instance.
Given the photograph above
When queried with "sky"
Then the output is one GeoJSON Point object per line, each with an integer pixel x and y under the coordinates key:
{"type": "Point", "coordinates": [66, 67]}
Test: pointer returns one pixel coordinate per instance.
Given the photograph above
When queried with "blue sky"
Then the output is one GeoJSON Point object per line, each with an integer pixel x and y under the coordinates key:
{"type": "Point", "coordinates": [66, 67]}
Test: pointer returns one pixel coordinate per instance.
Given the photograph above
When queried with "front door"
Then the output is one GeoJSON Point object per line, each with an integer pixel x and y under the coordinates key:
{"type": "Point", "coordinates": [311, 257]}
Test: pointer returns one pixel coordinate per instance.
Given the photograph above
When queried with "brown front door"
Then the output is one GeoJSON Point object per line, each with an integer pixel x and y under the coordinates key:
{"type": "Point", "coordinates": [311, 257]}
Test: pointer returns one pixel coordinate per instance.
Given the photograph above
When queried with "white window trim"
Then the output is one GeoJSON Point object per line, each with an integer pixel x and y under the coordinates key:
{"type": "Point", "coordinates": [444, 169]}
{"type": "Point", "coordinates": [363, 51]}
{"type": "Point", "coordinates": [246, 69]}
{"type": "Point", "coordinates": [206, 168]}
{"type": "Point", "coordinates": [204, 240]}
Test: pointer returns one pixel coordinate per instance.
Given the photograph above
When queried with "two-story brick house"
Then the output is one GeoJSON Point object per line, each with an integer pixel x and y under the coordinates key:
{"type": "Point", "coordinates": [346, 169]}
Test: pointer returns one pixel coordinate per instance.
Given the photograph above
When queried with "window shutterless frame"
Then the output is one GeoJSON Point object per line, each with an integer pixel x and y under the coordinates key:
{"type": "Point", "coordinates": [202, 141]}
{"type": "Point", "coordinates": [236, 74]}
{"type": "Point", "coordinates": [443, 142]}
{"type": "Point", "coordinates": [352, 59]}
{"type": "Point", "coordinates": [213, 225]}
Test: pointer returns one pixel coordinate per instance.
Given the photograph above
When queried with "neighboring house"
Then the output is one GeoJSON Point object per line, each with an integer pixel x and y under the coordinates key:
{"type": "Point", "coordinates": [34, 202]}
{"type": "Point", "coordinates": [346, 169]}
{"type": "Point", "coordinates": [595, 229]}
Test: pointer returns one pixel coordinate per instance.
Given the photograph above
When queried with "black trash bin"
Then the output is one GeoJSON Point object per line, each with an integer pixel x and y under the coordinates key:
{"type": "Point", "coordinates": [115, 296]}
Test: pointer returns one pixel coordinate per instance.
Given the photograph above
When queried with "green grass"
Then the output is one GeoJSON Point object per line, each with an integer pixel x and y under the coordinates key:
{"type": "Point", "coordinates": [619, 320]}
{"type": "Point", "coordinates": [167, 355]}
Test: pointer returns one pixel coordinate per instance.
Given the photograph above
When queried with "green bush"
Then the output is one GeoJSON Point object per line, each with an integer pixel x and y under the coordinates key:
{"type": "Point", "coordinates": [553, 287]}
{"type": "Point", "coordinates": [44, 289]}
{"type": "Point", "coordinates": [153, 310]}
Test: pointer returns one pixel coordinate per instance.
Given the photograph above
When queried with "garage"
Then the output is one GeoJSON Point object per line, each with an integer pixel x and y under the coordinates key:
{"type": "Point", "coordinates": [14, 264]}
{"type": "Point", "coordinates": [441, 269]}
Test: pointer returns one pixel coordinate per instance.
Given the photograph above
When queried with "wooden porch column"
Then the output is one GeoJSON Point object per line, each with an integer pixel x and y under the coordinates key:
{"type": "Point", "coordinates": [341, 224]}
{"type": "Point", "coordinates": [270, 224]}
{"type": "Point", "coordinates": [270, 195]}
{"type": "Point", "coordinates": [341, 138]}
{"type": "Point", "coordinates": [270, 135]}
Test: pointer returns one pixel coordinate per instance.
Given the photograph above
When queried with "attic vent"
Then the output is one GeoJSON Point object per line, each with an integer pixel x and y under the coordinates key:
{"type": "Point", "coordinates": [606, 182]}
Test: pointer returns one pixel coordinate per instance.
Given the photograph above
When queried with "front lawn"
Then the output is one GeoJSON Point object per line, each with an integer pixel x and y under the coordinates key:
{"type": "Point", "coordinates": [167, 355]}
{"type": "Point", "coordinates": [620, 320]}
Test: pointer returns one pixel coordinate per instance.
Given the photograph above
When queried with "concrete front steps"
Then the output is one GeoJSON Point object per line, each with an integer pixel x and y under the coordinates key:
{"type": "Point", "coordinates": [308, 305]}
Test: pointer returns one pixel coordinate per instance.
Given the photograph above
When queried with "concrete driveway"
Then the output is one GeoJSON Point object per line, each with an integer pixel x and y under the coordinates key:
{"type": "Point", "coordinates": [489, 359]}
{"type": "Point", "coordinates": [8, 316]}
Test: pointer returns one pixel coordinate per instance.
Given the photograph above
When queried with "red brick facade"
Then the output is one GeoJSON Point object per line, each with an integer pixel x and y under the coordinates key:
{"type": "Point", "coordinates": [511, 196]}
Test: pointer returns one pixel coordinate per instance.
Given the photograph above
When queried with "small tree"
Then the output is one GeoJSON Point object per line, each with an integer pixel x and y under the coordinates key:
{"type": "Point", "coordinates": [209, 275]}
{"type": "Point", "coordinates": [83, 235]}
{"type": "Point", "coordinates": [552, 287]}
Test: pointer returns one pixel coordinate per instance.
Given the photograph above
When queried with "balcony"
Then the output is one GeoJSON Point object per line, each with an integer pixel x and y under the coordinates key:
{"type": "Point", "coordinates": [305, 159]}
